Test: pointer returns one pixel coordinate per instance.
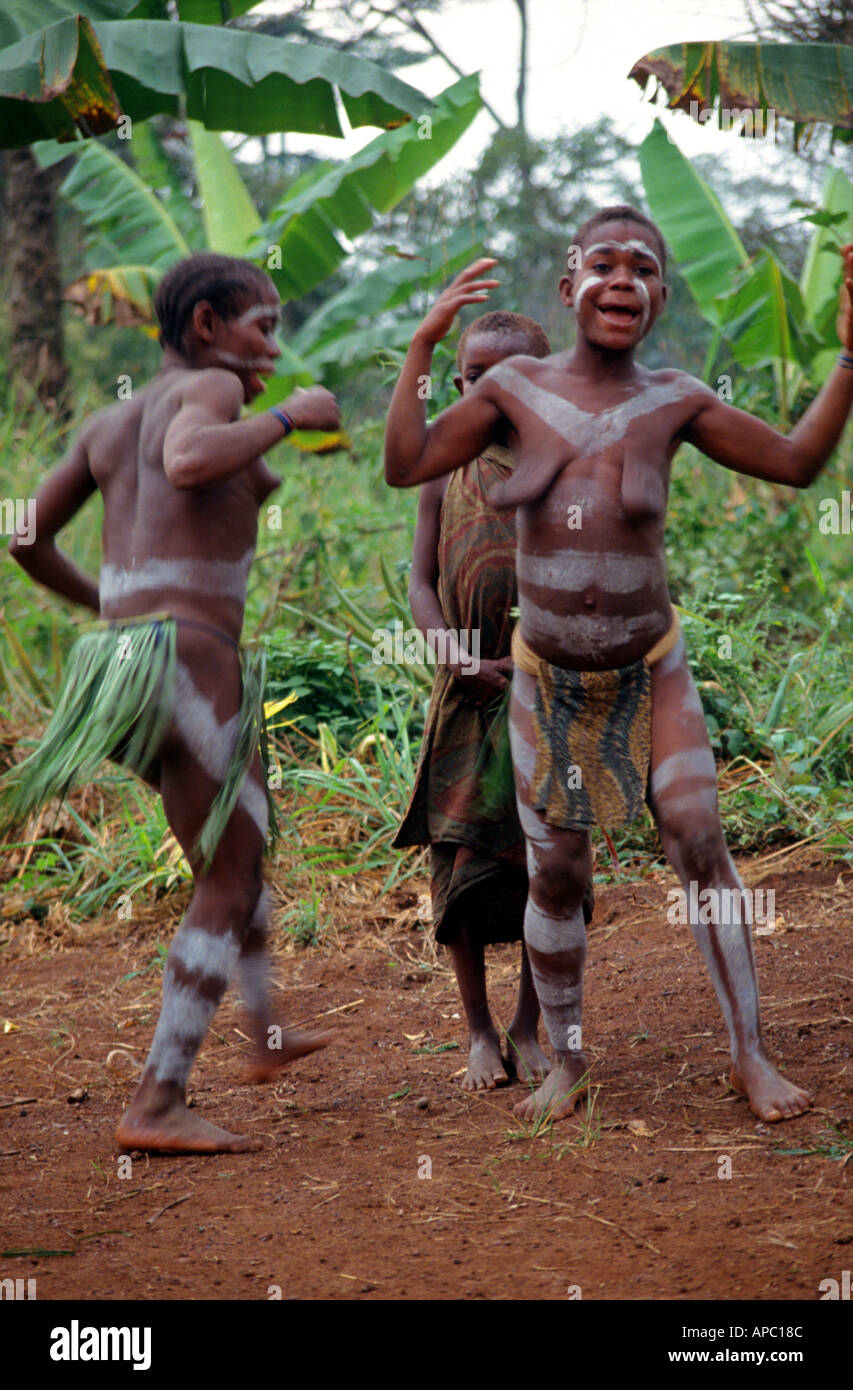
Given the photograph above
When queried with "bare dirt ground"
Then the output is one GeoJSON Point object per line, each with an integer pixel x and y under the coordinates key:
{"type": "Point", "coordinates": [380, 1178]}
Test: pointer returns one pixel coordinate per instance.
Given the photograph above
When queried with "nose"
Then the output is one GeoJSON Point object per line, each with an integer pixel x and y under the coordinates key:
{"type": "Point", "coordinates": [621, 278]}
{"type": "Point", "coordinates": [272, 347]}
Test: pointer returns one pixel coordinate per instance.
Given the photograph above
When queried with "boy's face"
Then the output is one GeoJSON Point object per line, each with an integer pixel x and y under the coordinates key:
{"type": "Point", "coordinates": [618, 292]}
{"type": "Point", "coordinates": [245, 343]}
{"type": "Point", "coordinates": [482, 351]}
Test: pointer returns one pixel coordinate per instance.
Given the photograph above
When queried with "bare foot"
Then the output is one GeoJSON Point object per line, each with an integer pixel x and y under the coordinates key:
{"type": "Point", "coordinates": [271, 1061]}
{"type": "Point", "coordinates": [177, 1130]}
{"type": "Point", "coordinates": [485, 1064]}
{"type": "Point", "coordinates": [770, 1096]}
{"type": "Point", "coordinates": [563, 1087]}
{"type": "Point", "coordinates": [525, 1058]}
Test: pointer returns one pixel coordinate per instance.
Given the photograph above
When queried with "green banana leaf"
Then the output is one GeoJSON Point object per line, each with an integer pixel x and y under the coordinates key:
{"type": "Point", "coordinates": [387, 287]}
{"type": "Point", "coordinates": [764, 318]}
{"type": "Point", "coordinates": [193, 11]}
{"type": "Point", "coordinates": [707, 247]}
{"type": "Point", "coordinates": [344, 198]}
{"type": "Point", "coordinates": [230, 218]}
{"type": "Point", "coordinates": [820, 277]}
{"type": "Point", "coordinates": [802, 82]}
{"type": "Point", "coordinates": [132, 239]}
{"type": "Point", "coordinates": [20, 17]}
{"type": "Point", "coordinates": [78, 76]}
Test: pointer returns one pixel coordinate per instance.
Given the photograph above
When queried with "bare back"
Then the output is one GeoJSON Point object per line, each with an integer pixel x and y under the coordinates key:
{"type": "Point", "coordinates": [182, 550]}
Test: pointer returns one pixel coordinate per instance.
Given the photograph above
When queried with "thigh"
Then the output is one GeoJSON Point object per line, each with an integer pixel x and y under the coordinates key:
{"type": "Point", "coordinates": [559, 862]}
{"type": "Point", "coordinates": [683, 779]}
{"type": "Point", "coordinates": [197, 751]}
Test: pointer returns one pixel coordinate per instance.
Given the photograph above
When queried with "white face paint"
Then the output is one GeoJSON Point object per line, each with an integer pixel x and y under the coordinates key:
{"type": "Point", "coordinates": [213, 578]}
{"type": "Point", "coordinates": [244, 364]}
{"type": "Point", "coordinates": [643, 293]}
{"type": "Point", "coordinates": [587, 285]}
{"type": "Point", "coordinates": [260, 311]}
{"type": "Point", "coordinates": [645, 250]}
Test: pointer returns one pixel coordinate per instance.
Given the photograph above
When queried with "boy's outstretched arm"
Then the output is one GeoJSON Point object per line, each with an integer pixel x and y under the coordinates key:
{"type": "Point", "coordinates": [207, 441]}
{"type": "Point", "coordinates": [59, 498]}
{"type": "Point", "coordinates": [413, 452]}
{"type": "Point", "coordinates": [739, 441]}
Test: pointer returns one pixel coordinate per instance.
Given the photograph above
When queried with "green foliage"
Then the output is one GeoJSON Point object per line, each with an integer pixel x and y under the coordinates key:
{"type": "Point", "coordinates": [345, 198]}
{"type": "Point", "coordinates": [320, 675]}
{"type": "Point", "coordinates": [75, 76]}
{"type": "Point", "coordinates": [801, 82]}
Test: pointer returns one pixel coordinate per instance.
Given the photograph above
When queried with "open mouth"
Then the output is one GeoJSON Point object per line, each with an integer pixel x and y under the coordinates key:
{"type": "Point", "coordinates": [621, 314]}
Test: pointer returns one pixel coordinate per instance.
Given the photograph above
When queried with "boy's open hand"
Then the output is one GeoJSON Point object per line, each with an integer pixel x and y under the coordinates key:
{"type": "Point", "coordinates": [313, 408]}
{"type": "Point", "coordinates": [467, 288]}
{"type": "Point", "coordinates": [845, 312]}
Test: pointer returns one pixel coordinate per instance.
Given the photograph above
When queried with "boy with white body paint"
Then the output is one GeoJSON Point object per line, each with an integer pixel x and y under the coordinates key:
{"type": "Point", "coordinates": [594, 434]}
{"type": "Point", "coordinates": [182, 478]}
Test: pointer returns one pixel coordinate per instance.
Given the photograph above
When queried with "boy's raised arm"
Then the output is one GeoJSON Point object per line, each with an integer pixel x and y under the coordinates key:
{"type": "Point", "coordinates": [207, 441]}
{"type": "Point", "coordinates": [739, 441]}
{"type": "Point", "coordinates": [414, 453]}
{"type": "Point", "coordinates": [59, 498]}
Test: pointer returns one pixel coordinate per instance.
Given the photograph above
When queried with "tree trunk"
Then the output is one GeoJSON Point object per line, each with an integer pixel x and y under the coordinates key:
{"type": "Point", "coordinates": [521, 103]}
{"type": "Point", "coordinates": [34, 292]}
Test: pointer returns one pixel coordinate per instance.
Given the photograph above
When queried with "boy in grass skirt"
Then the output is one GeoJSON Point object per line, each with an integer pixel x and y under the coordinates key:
{"type": "Point", "coordinates": [159, 683]}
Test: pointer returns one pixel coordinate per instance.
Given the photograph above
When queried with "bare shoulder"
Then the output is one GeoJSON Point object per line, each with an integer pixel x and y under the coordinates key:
{"type": "Point", "coordinates": [681, 385]}
{"type": "Point", "coordinates": [212, 386]}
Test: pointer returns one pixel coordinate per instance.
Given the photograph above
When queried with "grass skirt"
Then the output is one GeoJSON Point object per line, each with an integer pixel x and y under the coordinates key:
{"type": "Point", "coordinates": [117, 701]}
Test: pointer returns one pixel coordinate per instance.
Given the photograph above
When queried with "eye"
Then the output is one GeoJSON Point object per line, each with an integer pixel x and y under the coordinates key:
{"type": "Point", "coordinates": [643, 270]}
{"type": "Point", "coordinates": [600, 265]}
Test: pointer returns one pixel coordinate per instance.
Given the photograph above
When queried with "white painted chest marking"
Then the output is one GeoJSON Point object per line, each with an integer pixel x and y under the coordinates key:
{"type": "Point", "coordinates": [587, 431]}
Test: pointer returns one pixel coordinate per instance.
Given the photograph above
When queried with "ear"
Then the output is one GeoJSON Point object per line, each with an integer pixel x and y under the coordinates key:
{"type": "Point", "coordinates": [204, 321]}
{"type": "Point", "coordinates": [566, 290]}
{"type": "Point", "coordinates": [457, 382]}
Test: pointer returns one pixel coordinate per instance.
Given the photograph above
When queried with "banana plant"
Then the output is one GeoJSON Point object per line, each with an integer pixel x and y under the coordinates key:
{"type": "Point", "coordinates": [765, 316]}
{"type": "Point", "coordinates": [806, 83]}
{"type": "Point", "coordinates": [136, 233]}
{"type": "Point", "coordinates": [77, 67]}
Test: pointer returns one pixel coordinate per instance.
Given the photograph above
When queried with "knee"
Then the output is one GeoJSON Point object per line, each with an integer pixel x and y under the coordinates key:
{"type": "Point", "coordinates": [698, 847]}
{"type": "Point", "coordinates": [233, 898]}
{"type": "Point", "coordinates": [558, 876]}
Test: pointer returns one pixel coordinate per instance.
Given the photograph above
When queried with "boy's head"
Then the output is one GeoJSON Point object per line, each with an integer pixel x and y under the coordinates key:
{"type": "Point", "coordinates": [491, 338]}
{"type": "Point", "coordinates": [220, 311]}
{"type": "Point", "coordinates": [616, 266]}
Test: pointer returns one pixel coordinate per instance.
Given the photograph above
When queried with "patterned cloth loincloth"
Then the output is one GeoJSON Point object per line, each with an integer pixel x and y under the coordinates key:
{"type": "Point", "coordinates": [593, 737]}
{"type": "Point", "coordinates": [117, 701]}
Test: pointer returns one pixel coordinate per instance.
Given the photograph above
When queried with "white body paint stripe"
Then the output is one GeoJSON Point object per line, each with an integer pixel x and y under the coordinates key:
{"type": "Point", "coordinates": [687, 763]}
{"type": "Point", "coordinates": [587, 636]}
{"type": "Point", "coordinates": [208, 952]}
{"type": "Point", "coordinates": [573, 571]}
{"type": "Point", "coordinates": [212, 744]}
{"type": "Point", "coordinates": [213, 578]}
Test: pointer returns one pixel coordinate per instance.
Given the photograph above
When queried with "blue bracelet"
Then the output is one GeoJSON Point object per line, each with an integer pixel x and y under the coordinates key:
{"type": "Point", "coordinates": [846, 359]}
{"type": "Point", "coordinates": [284, 418]}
